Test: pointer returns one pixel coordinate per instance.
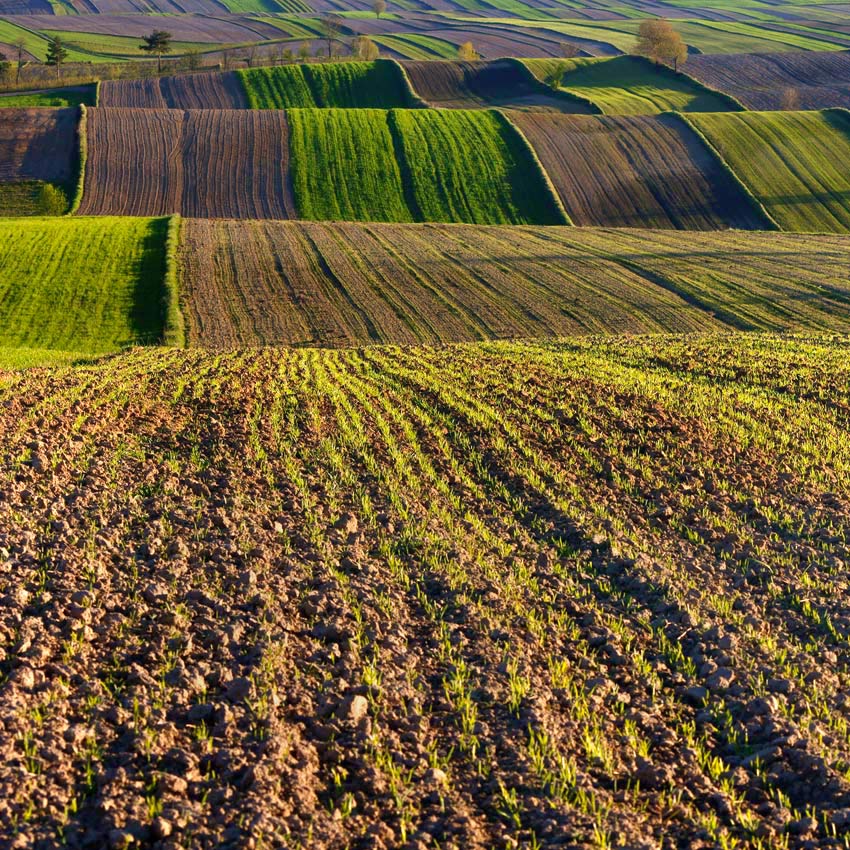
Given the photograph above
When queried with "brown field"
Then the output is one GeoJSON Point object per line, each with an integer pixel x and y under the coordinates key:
{"type": "Point", "coordinates": [207, 90]}
{"type": "Point", "coordinates": [218, 163]}
{"type": "Point", "coordinates": [468, 85]}
{"type": "Point", "coordinates": [342, 284]}
{"type": "Point", "coordinates": [767, 81]}
{"type": "Point", "coordinates": [38, 144]}
{"type": "Point", "coordinates": [647, 171]}
{"type": "Point", "coordinates": [578, 594]}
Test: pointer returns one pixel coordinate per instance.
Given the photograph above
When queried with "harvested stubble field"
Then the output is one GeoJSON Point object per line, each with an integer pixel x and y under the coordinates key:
{"type": "Point", "coordinates": [207, 90]}
{"type": "Point", "coordinates": [640, 171]}
{"type": "Point", "coordinates": [345, 85]}
{"type": "Point", "coordinates": [767, 81]}
{"type": "Point", "coordinates": [795, 163]}
{"type": "Point", "coordinates": [468, 85]}
{"type": "Point", "coordinates": [81, 284]}
{"type": "Point", "coordinates": [630, 85]}
{"type": "Point", "coordinates": [206, 163]}
{"type": "Point", "coordinates": [583, 593]}
{"type": "Point", "coordinates": [353, 284]}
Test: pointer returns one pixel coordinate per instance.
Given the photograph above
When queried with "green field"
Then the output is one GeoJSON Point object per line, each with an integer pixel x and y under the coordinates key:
{"type": "Point", "coordinates": [415, 165]}
{"type": "Point", "coordinates": [470, 166]}
{"type": "Point", "coordinates": [795, 163]}
{"type": "Point", "coordinates": [343, 166]}
{"type": "Point", "coordinates": [76, 96]}
{"type": "Point", "coordinates": [359, 85]}
{"type": "Point", "coordinates": [116, 46]}
{"type": "Point", "coordinates": [36, 43]}
{"type": "Point", "coordinates": [32, 197]}
{"type": "Point", "coordinates": [629, 85]}
{"type": "Point", "coordinates": [84, 285]}
{"type": "Point", "coordinates": [414, 46]}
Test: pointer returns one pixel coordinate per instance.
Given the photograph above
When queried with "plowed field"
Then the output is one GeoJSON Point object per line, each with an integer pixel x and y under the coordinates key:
{"type": "Point", "coordinates": [279, 283]}
{"type": "Point", "coordinates": [38, 144]}
{"type": "Point", "coordinates": [636, 172]}
{"type": "Point", "coordinates": [474, 596]}
{"type": "Point", "coordinates": [467, 85]}
{"type": "Point", "coordinates": [187, 91]}
{"type": "Point", "coordinates": [218, 163]}
{"type": "Point", "coordinates": [766, 81]}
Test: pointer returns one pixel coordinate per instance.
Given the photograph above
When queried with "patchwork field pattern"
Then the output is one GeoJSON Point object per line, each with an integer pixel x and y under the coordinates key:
{"type": "Point", "coordinates": [346, 85]}
{"type": "Point", "coordinates": [354, 284]}
{"type": "Point", "coordinates": [469, 85]}
{"type": "Point", "coordinates": [795, 163]}
{"type": "Point", "coordinates": [774, 81]}
{"type": "Point", "coordinates": [442, 583]}
{"type": "Point", "coordinates": [81, 285]}
{"type": "Point", "coordinates": [640, 171]}
{"type": "Point", "coordinates": [629, 85]}
{"type": "Point", "coordinates": [207, 90]}
{"type": "Point", "coordinates": [207, 163]}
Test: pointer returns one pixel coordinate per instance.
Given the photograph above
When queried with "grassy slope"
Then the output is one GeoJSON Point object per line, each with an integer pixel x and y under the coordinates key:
{"type": "Point", "coordinates": [344, 167]}
{"type": "Point", "coordinates": [795, 163]}
{"type": "Point", "coordinates": [470, 166]}
{"type": "Point", "coordinates": [342, 85]}
{"type": "Point", "coordinates": [32, 198]}
{"type": "Point", "coordinates": [87, 285]}
{"type": "Point", "coordinates": [629, 85]}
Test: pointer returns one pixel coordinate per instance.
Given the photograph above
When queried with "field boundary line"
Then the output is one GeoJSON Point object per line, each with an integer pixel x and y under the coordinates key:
{"type": "Point", "coordinates": [678, 73]}
{"type": "Point", "coordinates": [758, 206]}
{"type": "Point", "coordinates": [537, 165]}
{"type": "Point", "coordinates": [559, 93]}
{"type": "Point", "coordinates": [416, 100]}
{"type": "Point", "coordinates": [174, 326]}
{"type": "Point", "coordinates": [82, 158]}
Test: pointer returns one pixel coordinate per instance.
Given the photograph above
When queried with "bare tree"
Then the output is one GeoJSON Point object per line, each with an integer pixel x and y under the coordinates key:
{"type": "Point", "coordinates": [20, 49]}
{"type": "Point", "coordinates": [251, 56]}
{"type": "Point", "coordinates": [790, 100]}
{"type": "Point", "coordinates": [331, 29]}
{"type": "Point", "coordinates": [364, 48]}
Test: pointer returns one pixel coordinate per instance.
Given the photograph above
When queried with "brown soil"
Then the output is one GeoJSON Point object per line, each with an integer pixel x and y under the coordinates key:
{"type": "Point", "coordinates": [206, 90]}
{"type": "Point", "coordinates": [38, 144]}
{"type": "Point", "coordinates": [467, 597]}
{"type": "Point", "coordinates": [642, 171]}
{"type": "Point", "coordinates": [211, 163]}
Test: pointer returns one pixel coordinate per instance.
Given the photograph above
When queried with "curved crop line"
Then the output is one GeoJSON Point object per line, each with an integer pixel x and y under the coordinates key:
{"type": "Point", "coordinates": [415, 100]}
{"type": "Point", "coordinates": [757, 205]}
{"type": "Point", "coordinates": [537, 166]}
{"type": "Point", "coordinates": [563, 94]}
{"type": "Point", "coordinates": [82, 150]}
{"type": "Point", "coordinates": [174, 328]}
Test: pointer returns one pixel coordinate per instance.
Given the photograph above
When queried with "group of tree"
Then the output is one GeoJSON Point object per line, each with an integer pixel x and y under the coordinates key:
{"type": "Point", "coordinates": [658, 41]}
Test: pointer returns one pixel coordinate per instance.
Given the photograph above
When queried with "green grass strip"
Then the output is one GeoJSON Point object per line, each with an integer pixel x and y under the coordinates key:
{"type": "Point", "coordinates": [174, 330]}
{"type": "Point", "coordinates": [82, 157]}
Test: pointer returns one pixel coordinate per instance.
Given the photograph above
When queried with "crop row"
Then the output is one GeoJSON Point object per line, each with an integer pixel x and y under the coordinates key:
{"type": "Point", "coordinates": [89, 285]}
{"type": "Point", "coordinates": [471, 594]}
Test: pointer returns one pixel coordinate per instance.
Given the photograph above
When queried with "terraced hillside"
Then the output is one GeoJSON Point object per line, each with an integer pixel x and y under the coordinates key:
{"type": "Point", "coordinates": [639, 171]}
{"type": "Point", "coordinates": [415, 165]}
{"type": "Point", "coordinates": [38, 160]}
{"type": "Point", "coordinates": [209, 90]}
{"type": "Point", "coordinates": [80, 286]}
{"type": "Point", "coordinates": [379, 84]}
{"type": "Point", "coordinates": [449, 594]}
{"type": "Point", "coordinates": [795, 163]}
{"type": "Point", "coordinates": [468, 85]}
{"type": "Point", "coordinates": [779, 81]}
{"type": "Point", "coordinates": [217, 162]}
{"type": "Point", "coordinates": [353, 284]}
{"type": "Point", "coordinates": [629, 85]}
